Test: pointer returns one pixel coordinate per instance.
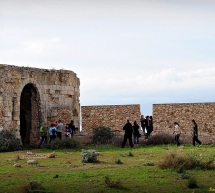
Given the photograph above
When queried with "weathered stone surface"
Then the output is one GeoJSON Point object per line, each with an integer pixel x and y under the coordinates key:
{"type": "Point", "coordinates": [112, 116]}
{"type": "Point", "coordinates": [29, 96]}
{"type": "Point", "coordinates": [204, 114]}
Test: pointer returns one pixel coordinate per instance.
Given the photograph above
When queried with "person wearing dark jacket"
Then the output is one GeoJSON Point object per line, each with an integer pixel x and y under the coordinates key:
{"type": "Point", "coordinates": [143, 123]}
{"type": "Point", "coordinates": [195, 133]}
{"type": "Point", "coordinates": [71, 126]}
{"type": "Point", "coordinates": [136, 132]}
{"type": "Point", "coordinates": [149, 126]}
{"type": "Point", "coordinates": [128, 134]}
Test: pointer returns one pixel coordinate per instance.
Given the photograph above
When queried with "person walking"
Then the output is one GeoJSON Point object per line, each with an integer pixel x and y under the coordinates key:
{"type": "Point", "coordinates": [149, 126]}
{"type": "Point", "coordinates": [128, 134]}
{"type": "Point", "coordinates": [177, 133]}
{"type": "Point", "coordinates": [195, 133]}
{"type": "Point", "coordinates": [136, 132]}
{"type": "Point", "coordinates": [43, 134]}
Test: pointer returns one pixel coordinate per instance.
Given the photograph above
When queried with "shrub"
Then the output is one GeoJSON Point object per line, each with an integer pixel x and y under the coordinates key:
{"type": "Point", "coordinates": [117, 141]}
{"type": "Point", "coordinates": [67, 143]}
{"type": "Point", "coordinates": [130, 154]}
{"type": "Point", "coordinates": [34, 186]}
{"type": "Point", "coordinates": [9, 141]}
{"type": "Point", "coordinates": [119, 161]}
{"type": "Point", "coordinates": [184, 175]}
{"type": "Point", "coordinates": [113, 184]}
{"type": "Point", "coordinates": [89, 156]}
{"type": "Point", "coordinates": [102, 135]}
{"type": "Point", "coordinates": [149, 164]}
{"type": "Point", "coordinates": [179, 163]}
{"type": "Point", "coordinates": [192, 183]}
{"type": "Point", "coordinates": [197, 161]}
{"type": "Point", "coordinates": [160, 138]}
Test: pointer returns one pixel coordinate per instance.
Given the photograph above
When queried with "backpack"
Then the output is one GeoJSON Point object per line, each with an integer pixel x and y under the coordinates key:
{"type": "Point", "coordinates": [53, 131]}
{"type": "Point", "coordinates": [41, 129]}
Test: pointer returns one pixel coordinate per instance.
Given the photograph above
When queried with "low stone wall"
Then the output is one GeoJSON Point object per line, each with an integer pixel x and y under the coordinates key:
{"type": "Point", "coordinates": [112, 116]}
{"type": "Point", "coordinates": [164, 116]}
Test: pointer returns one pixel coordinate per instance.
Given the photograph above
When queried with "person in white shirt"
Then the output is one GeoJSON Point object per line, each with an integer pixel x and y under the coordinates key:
{"type": "Point", "coordinates": [177, 133]}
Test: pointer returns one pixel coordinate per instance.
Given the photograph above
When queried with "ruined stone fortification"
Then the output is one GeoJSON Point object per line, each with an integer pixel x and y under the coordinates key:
{"type": "Point", "coordinates": [112, 116]}
{"type": "Point", "coordinates": [204, 114]}
{"type": "Point", "coordinates": [29, 96]}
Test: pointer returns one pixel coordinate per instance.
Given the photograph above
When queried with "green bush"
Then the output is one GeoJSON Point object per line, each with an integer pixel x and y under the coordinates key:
{"type": "Point", "coordinates": [149, 164]}
{"type": "Point", "coordinates": [130, 154]}
{"type": "Point", "coordinates": [35, 187]}
{"type": "Point", "coordinates": [9, 141]}
{"type": "Point", "coordinates": [67, 143]}
{"type": "Point", "coordinates": [102, 135]}
{"type": "Point", "coordinates": [89, 156]}
{"type": "Point", "coordinates": [119, 161]}
{"type": "Point", "coordinates": [160, 139]}
{"type": "Point", "coordinates": [113, 184]}
{"type": "Point", "coordinates": [184, 175]}
{"type": "Point", "coordinates": [192, 183]}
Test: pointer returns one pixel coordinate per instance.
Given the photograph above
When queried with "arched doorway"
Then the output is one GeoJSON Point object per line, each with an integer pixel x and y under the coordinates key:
{"type": "Point", "coordinates": [29, 114]}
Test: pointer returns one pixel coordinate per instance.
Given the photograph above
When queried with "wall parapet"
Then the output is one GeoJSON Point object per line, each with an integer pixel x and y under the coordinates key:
{"type": "Point", "coordinates": [164, 116]}
{"type": "Point", "coordinates": [112, 116]}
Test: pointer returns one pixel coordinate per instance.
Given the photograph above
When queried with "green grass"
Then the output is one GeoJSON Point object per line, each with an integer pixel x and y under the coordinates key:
{"type": "Point", "coordinates": [136, 174]}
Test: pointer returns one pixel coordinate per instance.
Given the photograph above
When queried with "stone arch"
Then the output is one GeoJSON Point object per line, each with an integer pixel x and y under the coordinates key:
{"type": "Point", "coordinates": [31, 111]}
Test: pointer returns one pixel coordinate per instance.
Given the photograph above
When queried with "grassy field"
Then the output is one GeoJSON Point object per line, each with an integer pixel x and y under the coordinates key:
{"type": "Point", "coordinates": [138, 172]}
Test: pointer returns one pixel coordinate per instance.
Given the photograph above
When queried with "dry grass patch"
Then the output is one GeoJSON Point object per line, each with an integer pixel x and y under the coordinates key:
{"type": "Point", "coordinates": [190, 161]}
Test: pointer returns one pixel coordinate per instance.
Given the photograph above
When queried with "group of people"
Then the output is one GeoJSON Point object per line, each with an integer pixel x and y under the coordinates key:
{"type": "Point", "coordinates": [177, 131]}
{"type": "Point", "coordinates": [133, 130]}
{"type": "Point", "coordinates": [55, 131]}
{"type": "Point", "coordinates": [147, 128]}
{"type": "Point", "coordinates": [147, 125]}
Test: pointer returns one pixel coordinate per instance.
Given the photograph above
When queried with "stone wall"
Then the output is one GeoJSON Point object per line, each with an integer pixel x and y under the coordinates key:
{"type": "Point", "coordinates": [164, 116]}
{"type": "Point", "coordinates": [112, 116]}
{"type": "Point", "coordinates": [29, 96]}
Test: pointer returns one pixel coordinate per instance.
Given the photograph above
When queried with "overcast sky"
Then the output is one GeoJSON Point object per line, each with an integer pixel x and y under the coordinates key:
{"type": "Point", "coordinates": [124, 51]}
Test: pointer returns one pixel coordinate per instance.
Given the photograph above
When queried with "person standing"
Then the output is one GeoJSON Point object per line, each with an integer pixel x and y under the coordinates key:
{"type": "Point", "coordinates": [149, 126]}
{"type": "Point", "coordinates": [195, 133]}
{"type": "Point", "coordinates": [59, 128]}
{"type": "Point", "coordinates": [52, 132]}
{"type": "Point", "coordinates": [143, 123]}
{"type": "Point", "coordinates": [43, 134]}
{"type": "Point", "coordinates": [177, 133]}
{"type": "Point", "coordinates": [68, 131]}
{"type": "Point", "coordinates": [71, 126]}
{"type": "Point", "coordinates": [128, 134]}
{"type": "Point", "coordinates": [136, 132]}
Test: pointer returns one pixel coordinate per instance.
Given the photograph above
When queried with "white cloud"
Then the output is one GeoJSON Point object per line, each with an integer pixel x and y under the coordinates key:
{"type": "Point", "coordinates": [55, 39]}
{"type": "Point", "coordinates": [166, 80]}
{"type": "Point", "coordinates": [122, 51]}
